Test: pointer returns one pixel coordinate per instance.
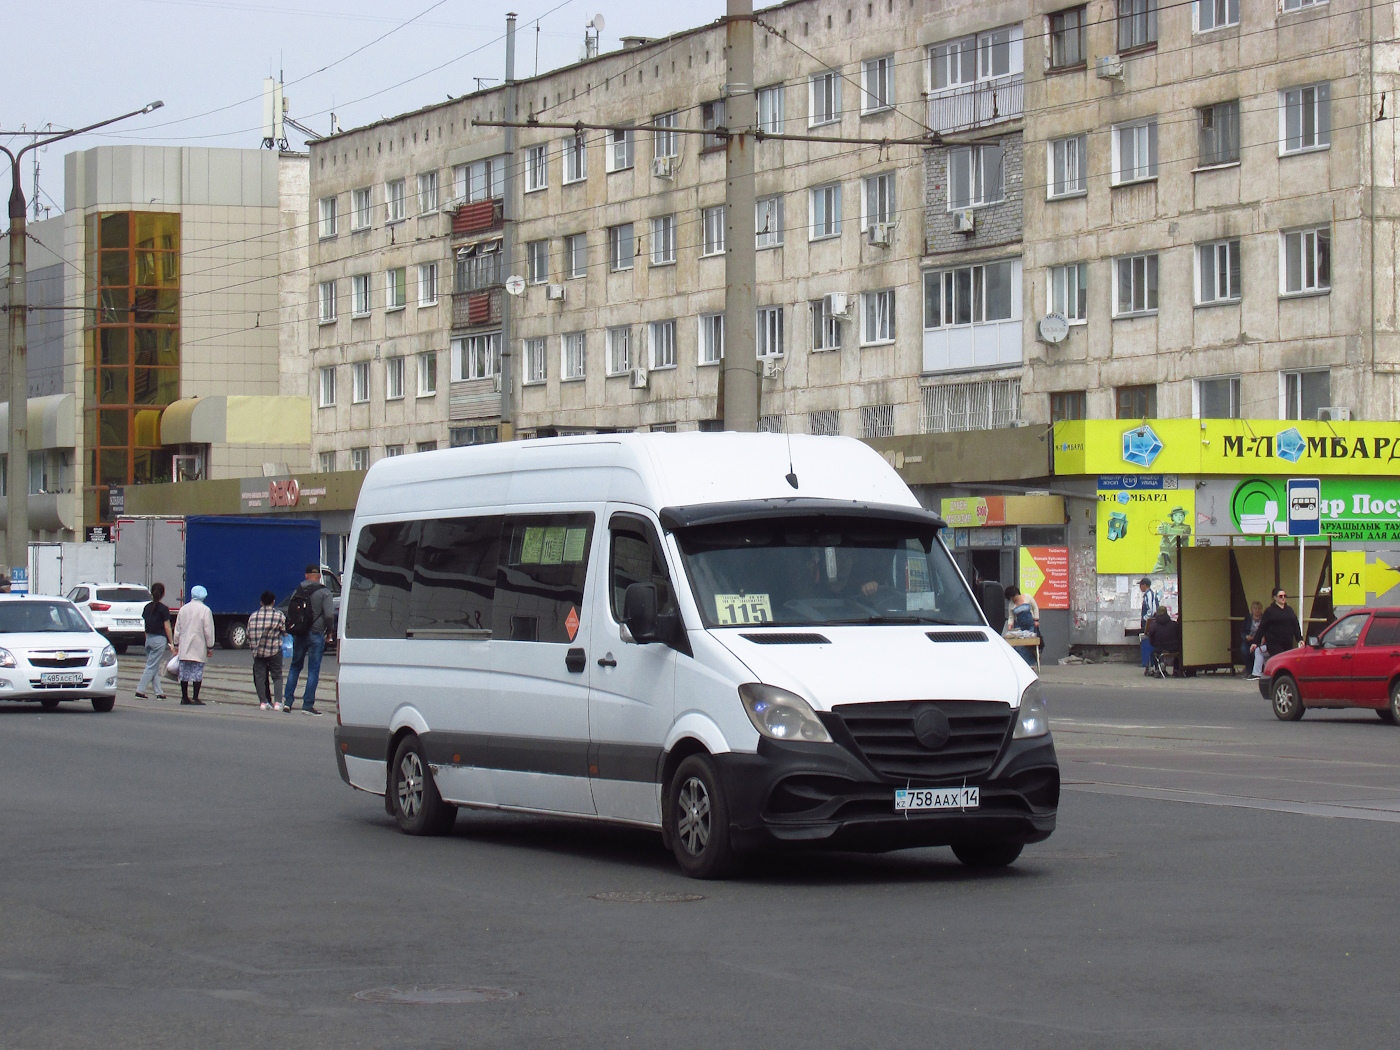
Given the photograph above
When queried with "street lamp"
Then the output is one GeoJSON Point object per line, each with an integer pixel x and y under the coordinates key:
{"type": "Point", "coordinates": [17, 474]}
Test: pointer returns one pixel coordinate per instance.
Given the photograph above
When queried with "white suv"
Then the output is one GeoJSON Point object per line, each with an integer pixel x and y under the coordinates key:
{"type": "Point", "coordinates": [49, 653]}
{"type": "Point", "coordinates": [114, 609]}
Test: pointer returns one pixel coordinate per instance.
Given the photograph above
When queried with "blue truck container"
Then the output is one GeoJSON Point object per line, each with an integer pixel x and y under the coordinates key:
{"type": "Point", "coordinates": [235, 559]}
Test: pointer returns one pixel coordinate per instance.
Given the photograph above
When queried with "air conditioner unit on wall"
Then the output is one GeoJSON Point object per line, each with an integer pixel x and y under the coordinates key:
{"type": "Point", "coordinates": [881, 233]}
{"type": "Point", "coordinates": [663, 167]}
{"type": "Point", "coordinates": [964, 221]}
{"type": "Point", "coordinates": [554, 292]}
{"type": "Point", "coordinates": [838, 304]}
{"type": "Point", "coordinates": [771, 368]}
{"type": "Point", "coordinates": [1110, 67]}
{"type": "Point", "coordinates": [639, 379]}
{"type": "Point", "coordinates": [1334, 413]}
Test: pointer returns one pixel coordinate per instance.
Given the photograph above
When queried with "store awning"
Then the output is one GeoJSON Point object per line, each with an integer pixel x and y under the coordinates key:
{"type": "Point", "coordinates": [237, 420]}
{"type": "Point", "coordinates": [51, 423]}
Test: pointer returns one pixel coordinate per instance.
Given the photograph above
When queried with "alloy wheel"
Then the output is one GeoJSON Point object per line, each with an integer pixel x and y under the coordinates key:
{"type": "Point", "coordinates": [693, 823]}
{"type": "Point", "coordinates": [410, 785]}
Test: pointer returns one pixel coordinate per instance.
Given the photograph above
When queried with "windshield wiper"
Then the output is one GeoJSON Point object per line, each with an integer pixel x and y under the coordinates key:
{"type": "Point", "coordinates": [898, 618]}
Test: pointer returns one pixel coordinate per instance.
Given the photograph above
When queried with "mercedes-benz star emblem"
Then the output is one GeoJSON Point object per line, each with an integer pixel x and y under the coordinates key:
{"type": "Point", "coordinates": [931, 728]}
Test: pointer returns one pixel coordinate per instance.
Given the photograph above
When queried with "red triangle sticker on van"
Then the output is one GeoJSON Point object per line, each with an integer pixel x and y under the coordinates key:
{"type": "Point", "coordinates": [571, 622]}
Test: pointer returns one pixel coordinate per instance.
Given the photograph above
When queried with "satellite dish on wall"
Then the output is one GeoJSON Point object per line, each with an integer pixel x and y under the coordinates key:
{"type": "Point", "coordinates": [1054, 328]}
{"type": "Point", "coordinates": [598, 23]}
{"type": "Point", "coordinates": [515, 284]}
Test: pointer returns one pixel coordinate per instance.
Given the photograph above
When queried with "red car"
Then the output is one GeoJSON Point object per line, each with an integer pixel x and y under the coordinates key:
{"type": "Point", "coordinates": [1355, 663]}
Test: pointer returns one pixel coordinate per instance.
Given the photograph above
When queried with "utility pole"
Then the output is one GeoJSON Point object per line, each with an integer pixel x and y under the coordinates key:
{"type": "Point", "coordinates": [17, 471]}
{"type": "Point", "coordinates": [738, 395]}
{"type": "Point", "coordinates": [507, 241]}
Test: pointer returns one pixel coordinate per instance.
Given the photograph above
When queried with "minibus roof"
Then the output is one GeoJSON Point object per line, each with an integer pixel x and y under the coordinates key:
{"type": "Point", "coordinates": [651, 470]}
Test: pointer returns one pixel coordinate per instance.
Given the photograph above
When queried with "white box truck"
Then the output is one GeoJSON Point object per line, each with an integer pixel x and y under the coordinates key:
{"type": "Point", "coordinates": [55, 568]}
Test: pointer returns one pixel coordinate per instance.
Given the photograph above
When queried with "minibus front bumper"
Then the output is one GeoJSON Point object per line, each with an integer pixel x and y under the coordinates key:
{"type": "Point", "coordinates": [826, 796]}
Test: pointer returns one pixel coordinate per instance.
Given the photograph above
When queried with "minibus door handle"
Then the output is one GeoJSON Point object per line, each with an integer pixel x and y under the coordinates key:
{"type": "Point", "coordinates": [607, 661]}
{"type": "Point", "coordinates": [576, 660]}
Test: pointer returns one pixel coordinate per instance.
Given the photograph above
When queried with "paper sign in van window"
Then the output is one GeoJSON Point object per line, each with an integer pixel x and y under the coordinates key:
{"type": "Point", "coordinates": [742, 608]}
{"type": "Point", "coordinates": [552, 552]}
{"type": "Point", "coordinates": [531, 546]}
{"type": "Point", "coordinates": [574, 542]}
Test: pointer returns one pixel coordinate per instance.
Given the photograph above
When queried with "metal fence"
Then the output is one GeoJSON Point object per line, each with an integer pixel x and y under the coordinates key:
{"type": "Point", "coordinates": [984, 405]}
{"type": "Point", "coordinates": [979, 104]}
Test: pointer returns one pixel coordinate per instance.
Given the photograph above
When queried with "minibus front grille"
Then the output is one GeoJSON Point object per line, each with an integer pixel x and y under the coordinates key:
{"type": "Point", "coordinates": [787, 638]}
{"type": "Point", "coordinates": [885, 735]}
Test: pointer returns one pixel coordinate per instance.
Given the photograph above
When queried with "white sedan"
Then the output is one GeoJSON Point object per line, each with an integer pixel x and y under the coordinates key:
{"type": "Point", "coordinates": [50, 653]}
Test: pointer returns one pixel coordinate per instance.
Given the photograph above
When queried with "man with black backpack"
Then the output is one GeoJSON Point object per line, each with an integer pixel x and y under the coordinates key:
{"type": "Point", "coordinates": [309, 611]}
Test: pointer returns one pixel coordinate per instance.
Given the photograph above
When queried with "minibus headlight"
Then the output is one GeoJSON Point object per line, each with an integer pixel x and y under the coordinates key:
{"type": "Point", "coordinates": [109, 657]}
{"type": "Point", "coordinates": [1032, 719]}
{"type": "Point", "coordinates": [781, 715]}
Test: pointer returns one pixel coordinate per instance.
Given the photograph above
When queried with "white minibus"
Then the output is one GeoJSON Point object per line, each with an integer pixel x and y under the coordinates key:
{"type": "Point", "coordinates": [741, 640]}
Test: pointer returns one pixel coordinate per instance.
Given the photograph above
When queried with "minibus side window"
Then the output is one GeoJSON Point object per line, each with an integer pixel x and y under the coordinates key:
{"type": "Point", "coordinates": [381, 577]}
{"type": "Point", "coordinates": [454, 577]}
{"type": "Point", "coordinates": [540, 578]}
{"type": "Point", "coordinates": [636, 558]}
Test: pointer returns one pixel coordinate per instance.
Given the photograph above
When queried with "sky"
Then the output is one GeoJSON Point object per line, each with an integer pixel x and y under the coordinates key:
{"type": "Point", "coordinates": [206, 60]}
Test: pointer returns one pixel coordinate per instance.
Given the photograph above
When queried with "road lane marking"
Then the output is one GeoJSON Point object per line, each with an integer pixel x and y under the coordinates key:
{"type": "Point", "coordinates": [1350, 810]}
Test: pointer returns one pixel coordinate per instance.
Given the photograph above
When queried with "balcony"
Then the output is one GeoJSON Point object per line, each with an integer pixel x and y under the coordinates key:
{"type": "Point", "coordinates": [475, 309]}
{"type": "Point", "coordinates": [479, 216]}
{"type": "Point", "coordinates": [977, 105]}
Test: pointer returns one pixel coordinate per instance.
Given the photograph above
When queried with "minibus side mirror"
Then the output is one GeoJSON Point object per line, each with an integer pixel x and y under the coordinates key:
{"type": "Point", "coordinates": [639, 612]}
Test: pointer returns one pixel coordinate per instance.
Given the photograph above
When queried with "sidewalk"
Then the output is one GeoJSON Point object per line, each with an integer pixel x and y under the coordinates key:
{"type": "Point", "coordinates": [222, 685]}
{"type": "Point", "coordinates": [1130, 676]}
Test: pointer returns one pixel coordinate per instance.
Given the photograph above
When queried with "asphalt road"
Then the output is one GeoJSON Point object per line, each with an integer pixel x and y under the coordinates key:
{"type": "Point", "coordinates": [201, 878]}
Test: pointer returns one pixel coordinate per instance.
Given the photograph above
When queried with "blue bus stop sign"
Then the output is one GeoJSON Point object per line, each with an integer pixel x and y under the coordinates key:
{"type": "Point", "coordinates": [1304, 507]}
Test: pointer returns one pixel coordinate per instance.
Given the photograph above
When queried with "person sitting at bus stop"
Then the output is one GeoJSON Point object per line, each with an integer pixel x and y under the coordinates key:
{"type": "Point", "coordinates": [1164, 634]}
{"type": "Point", "coordinates": [1253, 658]}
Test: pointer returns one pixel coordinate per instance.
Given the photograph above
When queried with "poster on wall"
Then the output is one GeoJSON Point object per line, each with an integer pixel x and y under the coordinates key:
{"type": "Point", "coordinates": [1045, 576]}
{"type": "Point", "coordinates": [1138, 530]}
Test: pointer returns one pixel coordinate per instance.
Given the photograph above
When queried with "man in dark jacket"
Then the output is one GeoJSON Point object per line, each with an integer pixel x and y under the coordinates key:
{"type": "Point", "coordinates": [1165, 635]}
{"type": "Point", "coordinates": [1278, 627]}
{"type": "Point", "coordinates": [308, 643]}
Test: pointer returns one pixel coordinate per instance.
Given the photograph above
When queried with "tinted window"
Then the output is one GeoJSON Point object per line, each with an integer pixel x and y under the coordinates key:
{"type": "Point", "coordinates": [1344, 632]}
{"type": "Point", "coordinates": [24, 617]}
{"type": "Point", "coordinates": [123, 594]}
{"type": "Point", "coordinates": [543, 564]}
{"type": "Point", "coordinates": [78, 594]}
{"type": "Point", "coordinates": [1385, 630]}
{"type": "Point", "coordinates": [636, 558]}
{"type": "Point", "coordinates": [454, 578]}
{"type": "Point", "coordinates": [380, 581]}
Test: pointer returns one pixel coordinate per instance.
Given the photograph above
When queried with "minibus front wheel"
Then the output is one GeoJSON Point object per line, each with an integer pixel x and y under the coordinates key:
{"type": "Point", "coordinates": [418, 807]}
{"type": "Point", "coordinates": [697, 815]}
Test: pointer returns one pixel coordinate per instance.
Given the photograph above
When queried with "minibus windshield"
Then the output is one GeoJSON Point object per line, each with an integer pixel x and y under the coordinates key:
{"type": "Point", "coordinates": [823, 571]}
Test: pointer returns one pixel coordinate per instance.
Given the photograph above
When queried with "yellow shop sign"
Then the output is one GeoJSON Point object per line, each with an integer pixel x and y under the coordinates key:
{"type": "Point", "coordinates": [1226, 446]}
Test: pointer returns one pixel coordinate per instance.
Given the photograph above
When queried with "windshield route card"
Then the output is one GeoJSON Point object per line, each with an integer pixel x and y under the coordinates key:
{"type": "Point", "coordinates": [742, 608]}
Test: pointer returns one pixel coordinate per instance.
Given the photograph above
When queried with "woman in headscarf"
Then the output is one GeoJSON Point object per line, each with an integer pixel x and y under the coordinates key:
{"type": "Point", "coordinates": [194, 637]}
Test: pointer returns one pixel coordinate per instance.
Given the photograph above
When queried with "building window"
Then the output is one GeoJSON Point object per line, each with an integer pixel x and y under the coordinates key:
{"type": "Point", "coordinates": [478, 266]}
{"type": "Point", "coordinates": [427, 284]}
{"type": "Point", "coordinates": [1069, 292]}
{"type": "Point", "coordinates": [619, 150]}
{"type": "Point", "coordinates": [427, 374]}
{"type": "Point", "coordinates": [665, 143]}
{"type": "Point", "coordinates": [536, 168]}
{"type": "Point", "coordinates": [480, 180]}
{"type": "Point", "coordinates": [393, 201]}
{"type": "Point", "coordinates": [661, 335]}
{"type": "Point", "coordinates": [1135, 285]}
{"type": "Point", "coordinates": [770, 331]}
{"type": "Point", "coordinates": [619, 342]}
{"type": "Point", "coordinates": [770, 110]}
{"type": "Point", "coordinates": [974, 176]}
{"type": "Point", "coordinates": [1136, 402]}
{"type": "Point", "coordinates": [877, 76]}
{"type": "Point", "coordinates": [712, 118]}
{"type": "Point", "coordinates": [1067, 160]}
{"type": "Point", "coordinates": [395, 288]}
{"type": "Point", "coordinates": [393, 378]}
{"type": "Point", "coordinates": [1219, 127]}
{"type": "Point", "coordinates": [983, 405]}
{"type": "Point", "coordinates": [390, 451]}
{"type": "Point", "coordinates": [534, 361]}
{"type": "Point", "coordinates": [621, 247]}
{"type": "Point", "coordinates": [1135, 152]}
{"type": "Point", "coordinates": [826, 326]}
{"type": "Point", "coordinates": [359, 295]}
{"type": "Point", "coordinates": [771, 424]}
{"type": "Point", "coordinates": [711, 339]}
{"type": "Point", "coordinates": [877, 317]}
{"type": "Point", "coordinates": [359, 382]}
{"type": "Point", "coordinates": [427, 446]}
{"type": "Point", "coordinates": [1137, 24]}
{"type": "Point", "coordinates": [359, 459]}
{"type": "Point", "coordinates": [476, 356]}
{"type": "Point", "coordinates": [1305, 118]}
{"type": "Point", "coordinates": [571, 350]}
{"type": "Point", "coordinates": [1301, 394]}
{"type": "Point", "coordinates": [537, 261]}
{"type": "Point", "coordinates": [825, 95]}
{"type": "Point", "coordinates": [575, 159]}
{"type": "Point", "coordinates": [712, 222]}
{"type": "Point", "coordinates": [877, 421]}
{"type": "Point", "coordinates": [1306, 263]}
{"type": "Point", "coordinates": [1067, 42]}
{"type": "Point", "coordinates": [327, 461]}
{"type": "Point", "coordinates": [1215, 14]}
{"type": "Point", "coordinates": [461, 437]}
{"type": "Point", "coordinates": [327, 386]}
{"type": "Point", "coordinates": [878, 200]}
{"type": "Point", "coordinates": [328, 216]}
{"type": "Point", "coordinates": [327, 302]}
{"type": "Point", "coordinates": [575, 255]}
{"type": "Point", "coordinates": [1068, 404]}
{"type": "Point", "coordinates": [1217, 398]}
{"type": "Point", "coordinates": [826, 211]}
{"type": "Point", "coordinates": [824, 423]}
{"type": "Point", "coordinates": [1298, 5]}
{"type": "Point", "coordinates": [663, 240]}
{"type": "Point", "coordinates": [768, 222]}
{"type": "Point", "coordinates": [969, 295]}
{"type": "Point", "coordinates": [427, 195]}
{"type": "Point", "coordinates": [1218, 272]}
{"type": "Point", "coordinates": [361, 209]}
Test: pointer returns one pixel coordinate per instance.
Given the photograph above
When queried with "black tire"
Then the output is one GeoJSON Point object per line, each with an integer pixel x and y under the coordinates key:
{"type": "Point", "coordinates": [1392, 713]}
{"type": "Point", "coordinates": [987, 854]}
{"type": "Point", "coordinates": [49, 703]}
{"type": "Point", "coordinates": [417, 806]}
{"type": "Point", "coordinates": [121, 649]}
{"type": "Point", "coordinates": [236, 634]}
{"type": "Point", "coordinates": [697, 815]}
{"type": "Point", "coordinates": [1286, 701]}
{"type": "Point", "coordinates": [103, 704]}
{"type": "Point", "coordinates": [1387, 716]}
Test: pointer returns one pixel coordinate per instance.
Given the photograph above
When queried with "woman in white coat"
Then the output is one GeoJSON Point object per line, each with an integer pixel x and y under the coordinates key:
{"type": "Point", "coordinates": [194, 637]}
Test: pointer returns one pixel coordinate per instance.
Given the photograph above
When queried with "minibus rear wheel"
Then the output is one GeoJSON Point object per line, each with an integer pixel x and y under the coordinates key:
{"type": "Point", "coordinates": [698, 819]}
{"type": "Point", "coordinates": [418, 807]}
